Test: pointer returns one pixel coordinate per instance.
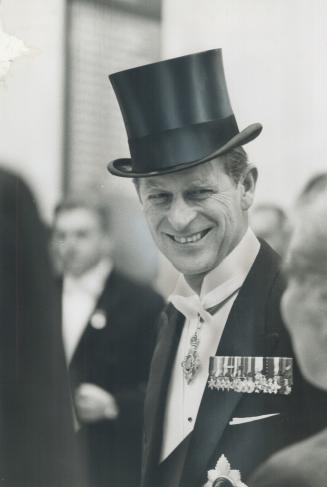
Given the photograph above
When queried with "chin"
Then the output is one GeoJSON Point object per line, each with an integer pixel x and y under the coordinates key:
{"type": "Point", "coordinates": [76, 271]}
{"type": "Point", "coordinates": [191, 269]}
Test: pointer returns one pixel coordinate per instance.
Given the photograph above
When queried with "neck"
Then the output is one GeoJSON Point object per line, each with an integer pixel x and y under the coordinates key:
{"type": "Point", "coordinates": [195, 281]}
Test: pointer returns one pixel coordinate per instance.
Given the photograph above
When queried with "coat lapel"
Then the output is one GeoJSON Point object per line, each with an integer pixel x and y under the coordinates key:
{"type": "Point", "coordinates": [171, 324]}
{"type": "Point", "coordinates": [244, 335]}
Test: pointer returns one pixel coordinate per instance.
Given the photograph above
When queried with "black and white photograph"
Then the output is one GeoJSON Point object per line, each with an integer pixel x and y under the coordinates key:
{"type": "Point", "coordinates": [163, 243]}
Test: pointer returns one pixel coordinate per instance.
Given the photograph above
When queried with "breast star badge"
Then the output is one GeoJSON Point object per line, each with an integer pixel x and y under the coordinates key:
{"type": "Point", "coordinates": [223, 475]}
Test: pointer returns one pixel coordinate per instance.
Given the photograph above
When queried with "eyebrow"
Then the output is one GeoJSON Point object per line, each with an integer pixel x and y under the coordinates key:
{"type": "Point", "coordinates": [200, 184]}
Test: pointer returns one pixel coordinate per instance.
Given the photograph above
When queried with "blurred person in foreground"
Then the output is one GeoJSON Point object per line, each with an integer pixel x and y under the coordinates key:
{"type": "Point", "coordinates": [270, 222]}
{"type": "Point", "coordinates": [304, 307]}
{"type": "Point", "coordinates": [108, 324]}
{"type": "Point", "coordinates": [37, 444]}
{"type": "Point", "coordinates": [196, 187]}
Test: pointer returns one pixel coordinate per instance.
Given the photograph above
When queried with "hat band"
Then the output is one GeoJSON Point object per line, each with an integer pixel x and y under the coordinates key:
{"type": "Point", "coordinates": [180, 146]}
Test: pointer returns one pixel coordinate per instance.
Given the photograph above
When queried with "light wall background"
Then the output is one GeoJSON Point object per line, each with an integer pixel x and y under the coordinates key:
{"type": "Point", "coordinates": [274, 62]}
{"type": "Point", "coordinates": [32, 97]}
{"type": "Point", "coordinates": [276, 69]}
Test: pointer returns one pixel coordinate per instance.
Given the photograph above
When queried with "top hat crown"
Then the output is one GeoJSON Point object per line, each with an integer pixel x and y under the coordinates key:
{"type": "Point", "coordinates": [177, 114]}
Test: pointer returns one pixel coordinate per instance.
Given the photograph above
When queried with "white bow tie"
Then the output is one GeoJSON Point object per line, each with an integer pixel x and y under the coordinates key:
{"type": "Point", "coordinates": [191, 307]}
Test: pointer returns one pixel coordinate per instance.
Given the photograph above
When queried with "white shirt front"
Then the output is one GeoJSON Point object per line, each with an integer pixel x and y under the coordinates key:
{"type": "Point", "coordinates": [79, 298]}
{"type": "Point", "coordinates": [221, 285]}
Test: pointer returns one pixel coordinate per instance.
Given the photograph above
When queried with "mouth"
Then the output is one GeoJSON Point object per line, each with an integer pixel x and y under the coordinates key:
{"type": "Point", "coordinates": [189, 239]}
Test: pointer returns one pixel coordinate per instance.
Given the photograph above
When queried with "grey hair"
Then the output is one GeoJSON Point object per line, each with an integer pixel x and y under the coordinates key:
{"type": "Point", "coordinates": [235, 163]}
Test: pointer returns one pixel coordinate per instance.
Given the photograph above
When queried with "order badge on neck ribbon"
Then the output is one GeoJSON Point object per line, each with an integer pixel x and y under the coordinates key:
{"type": "Point", "coordinates": [191, 362]}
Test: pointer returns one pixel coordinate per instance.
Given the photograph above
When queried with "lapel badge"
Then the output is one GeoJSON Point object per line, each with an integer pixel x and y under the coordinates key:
{"type": "Point", "coordinates": [223, 475]}
{"type": "Point", "coordinates": [270, 375]}
{"type": "Point", "coordinates": [98, 319]}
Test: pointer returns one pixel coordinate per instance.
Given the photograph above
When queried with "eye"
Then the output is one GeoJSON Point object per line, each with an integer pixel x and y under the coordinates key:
{"type": "Point", "coordinates": [200, 193]}
{"type": "Point", "coordinates": [159, 198]}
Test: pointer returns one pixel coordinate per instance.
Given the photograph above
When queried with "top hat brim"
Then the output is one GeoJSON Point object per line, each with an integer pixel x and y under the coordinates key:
{"type": "Point", "coordinates": [123, 167]}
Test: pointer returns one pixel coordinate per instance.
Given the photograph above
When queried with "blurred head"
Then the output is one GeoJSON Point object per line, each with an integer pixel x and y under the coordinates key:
{"type": "Point", "coordinates": [270, 223]}
{"type": "Point", "coordinates": [198, 215]}
{"type": "Point", "coordinates": [80, 235]}
{"type": "Point", "coordinates": [313, 187]}
{"type": "Point", "coordinates": [304, 304]}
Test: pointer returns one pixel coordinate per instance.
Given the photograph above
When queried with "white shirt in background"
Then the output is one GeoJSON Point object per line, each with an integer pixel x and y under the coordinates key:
{"type": "Point", "coordinates": [79, 298]}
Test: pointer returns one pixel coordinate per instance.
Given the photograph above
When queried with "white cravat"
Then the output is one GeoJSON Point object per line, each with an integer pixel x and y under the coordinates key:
{"type": "Point", "coordinates": [221, 285]}
{"type": "Point", "coordinates": [78, 301]}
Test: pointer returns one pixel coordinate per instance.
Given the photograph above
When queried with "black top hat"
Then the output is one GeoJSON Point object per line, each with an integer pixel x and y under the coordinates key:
{"type": "Point", "coordinates": [177, 114]}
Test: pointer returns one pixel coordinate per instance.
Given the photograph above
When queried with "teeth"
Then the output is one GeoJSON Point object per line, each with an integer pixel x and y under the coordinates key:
{"type": "Point", "coordinates": [191, 239]}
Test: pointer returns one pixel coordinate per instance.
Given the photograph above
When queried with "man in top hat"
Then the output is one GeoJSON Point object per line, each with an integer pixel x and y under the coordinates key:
{"type": "Point", "coordinates": [196, 187]}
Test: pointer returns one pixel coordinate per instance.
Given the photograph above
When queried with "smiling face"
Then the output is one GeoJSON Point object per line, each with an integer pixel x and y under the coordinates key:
{"type": "Point", "coordinates": [197, 216]}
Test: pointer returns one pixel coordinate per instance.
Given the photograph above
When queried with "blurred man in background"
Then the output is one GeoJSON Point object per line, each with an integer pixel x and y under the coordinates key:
{"type": "Point", "coordinates": [108, 325]}
{"type": "Point", "coordinates": [270, 223]}
{"type": "Point", "coordinates": [304, 307]}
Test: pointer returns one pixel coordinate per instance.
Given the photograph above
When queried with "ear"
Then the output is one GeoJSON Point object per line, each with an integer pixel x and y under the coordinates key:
{"type": "Point", "coordinates": [248, 183]}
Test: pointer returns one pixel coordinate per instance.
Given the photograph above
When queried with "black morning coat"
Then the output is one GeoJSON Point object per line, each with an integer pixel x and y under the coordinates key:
{"type": "Point", "coordinates": [254, 328]}
{"type": "Point", "coordinates": [117, 358]}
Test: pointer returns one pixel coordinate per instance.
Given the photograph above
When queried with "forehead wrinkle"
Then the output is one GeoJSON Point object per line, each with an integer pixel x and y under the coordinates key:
{"type": "Point", "coordinates": [156, 182]}
{"type": "Point", "coordinates": [210, 174]}
{"type": "Point", "coordinates": [203, 180]}
{"type": "Point", "coordinates": [206, 174]}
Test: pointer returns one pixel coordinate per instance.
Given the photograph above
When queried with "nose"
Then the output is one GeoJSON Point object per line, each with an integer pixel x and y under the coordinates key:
{"type": "Point", "coordinates": [67, 245]}
{"type": "Point", "coordinates": [180, 214]}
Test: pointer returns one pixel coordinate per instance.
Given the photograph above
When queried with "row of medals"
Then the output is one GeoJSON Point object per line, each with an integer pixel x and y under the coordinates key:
{"type": "Point", "coordinates": [258, 383]}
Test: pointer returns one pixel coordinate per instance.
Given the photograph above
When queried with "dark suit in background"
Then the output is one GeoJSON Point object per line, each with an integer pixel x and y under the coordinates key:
{"type": "Point", "coordinates": [36, 438]}
{"type": "Point", "coordinates": [254, 328]}
{"type": "Point", "coordinates": [117, 357]}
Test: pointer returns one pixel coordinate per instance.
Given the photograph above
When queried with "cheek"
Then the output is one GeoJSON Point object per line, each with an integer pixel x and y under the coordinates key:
{"type": "Point", "coordinates": [152, 220]}
{"type": "Point", "coordinates": [221, 203]}
{"type": "Point", "coordinates": [87, 247]}
{"type": "Point", "coordinates": [289, 308]}
{"type": "Point", "coordinates": [155, 217]}
{"type": "Point", "coordinates": [227, 209]}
